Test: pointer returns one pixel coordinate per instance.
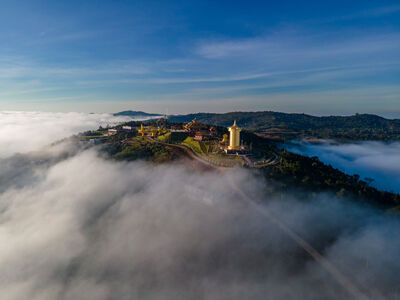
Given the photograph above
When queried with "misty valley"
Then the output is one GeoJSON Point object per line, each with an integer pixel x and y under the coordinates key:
{"type": "Point", "coordinates": [108, 207]}
{"type": "Point", "coordinates": [376, 162]}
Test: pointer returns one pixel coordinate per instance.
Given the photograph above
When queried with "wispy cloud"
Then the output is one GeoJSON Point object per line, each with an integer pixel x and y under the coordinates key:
{"type": "Point", "coordinates": [299, 45]}
{"type": "Point", "coordinates": [18, 69]}
{"type": "Point", "coordinates": [304, 75]}
{"type": "Point", "coordinates": [233, 48]}
{"type": "Point", "coordinates": [374, 12]}
{"type": "Point", "coordinates": [283, 62]}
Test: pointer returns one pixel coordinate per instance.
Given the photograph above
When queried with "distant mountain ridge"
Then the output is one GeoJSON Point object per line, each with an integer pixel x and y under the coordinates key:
{"type": "Point", "coordinates": [132, 113]}
{"type": "Point", "coordinates": [270, 118]}
{"type": "Point", "coordinates": [356, 127]}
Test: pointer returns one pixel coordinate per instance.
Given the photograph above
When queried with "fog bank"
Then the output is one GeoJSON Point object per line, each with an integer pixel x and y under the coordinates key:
{"type": "Point", "coordinates": [87, 228]}
{"type": "Point", "coordinates": [28, 131]}
{"type": "Point", "coordinates": [376, 160]}
{"type": "Point", "coordinates": [74, 225]}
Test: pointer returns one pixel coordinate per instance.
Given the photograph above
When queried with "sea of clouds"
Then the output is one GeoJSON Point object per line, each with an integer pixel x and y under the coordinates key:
{"type": "Point", "coordinates": [28, 131]}
{"type": "Point", "coordinates": [375, 160]}
{"type": "Point", "coordinates": [74, 225]}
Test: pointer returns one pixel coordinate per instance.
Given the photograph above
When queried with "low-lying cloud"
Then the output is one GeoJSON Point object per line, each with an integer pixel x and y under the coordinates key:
{"type": "Point", "coordinates": [375, 160]}
{"type": "Point", "coordinates": [74, 225]}
{"type": "Point", "coordinates": [88, 228]}
{"type": "Point", "coordinates": [28, 131]}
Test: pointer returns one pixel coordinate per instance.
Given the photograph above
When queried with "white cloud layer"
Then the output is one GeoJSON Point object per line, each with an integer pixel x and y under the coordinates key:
{"type": "Point", "coordinates": [376, 160]}
{"type": "Point", "coordinates": [76, 226]}
{"type": "Point", "coordinates": [86, 228]}
{"type": "Point", "coordinates": [29, 131]}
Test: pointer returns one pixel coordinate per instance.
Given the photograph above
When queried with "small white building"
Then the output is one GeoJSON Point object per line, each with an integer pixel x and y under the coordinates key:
{"type": "Point", "coordinates": [127, 128]}
{"type": "Point", "coordinates": [112, 131]}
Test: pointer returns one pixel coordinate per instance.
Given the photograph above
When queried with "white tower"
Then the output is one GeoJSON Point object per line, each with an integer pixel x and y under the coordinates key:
{"type": "Point", "coordinates": [234, 137]}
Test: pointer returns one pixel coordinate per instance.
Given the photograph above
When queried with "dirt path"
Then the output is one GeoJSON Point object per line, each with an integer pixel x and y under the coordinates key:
{"type": "Point", "coordinates": [188, 156]}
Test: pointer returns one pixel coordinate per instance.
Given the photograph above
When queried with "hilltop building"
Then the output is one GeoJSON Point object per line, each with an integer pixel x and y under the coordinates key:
{"type": "Point", "coordinates": [127, 128]}
{"type": "Point", "coordinates": [112, 131]}
{"type": "Point", "coordinates": [234, 137]}
{"type": "Point", "coordinates": [195, 125]}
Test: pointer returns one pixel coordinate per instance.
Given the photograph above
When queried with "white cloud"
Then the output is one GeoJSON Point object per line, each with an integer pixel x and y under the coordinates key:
{"type": "Point", "coordinates": [233, 48]}
{"type": "Point", "coordinates": [290, 47]}
{"type": "Point", "coordinates": [88, 228]}
{"type": "Point", "coordinates": [79, 226]}
{"type": "Point", "coordinates": [376, 160]}
{"type": "Point", "coordinates": [373, 13]}
{"type": "Point", "coordinates": [28, 131]}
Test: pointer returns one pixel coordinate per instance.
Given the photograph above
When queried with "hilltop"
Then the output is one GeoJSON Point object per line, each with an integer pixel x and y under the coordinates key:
{"type": "Point", "coordinates": [136, 114]}
{"type": "Point", "coordinates": [159, 141]}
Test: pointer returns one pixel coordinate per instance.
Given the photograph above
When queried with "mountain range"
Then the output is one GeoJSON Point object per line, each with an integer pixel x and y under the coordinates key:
{"type": "Point", "coordinates": [355, 127]}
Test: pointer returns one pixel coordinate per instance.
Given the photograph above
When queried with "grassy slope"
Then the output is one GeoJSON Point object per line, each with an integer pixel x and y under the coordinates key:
{"type": "Point", "coordinates": [140, 148]}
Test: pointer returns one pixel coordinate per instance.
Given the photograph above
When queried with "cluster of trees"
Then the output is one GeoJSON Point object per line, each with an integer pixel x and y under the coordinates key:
{"type": "Point", "coordinates": [309, 174]}
{"type": "Point", "coordinates": [298, 171]}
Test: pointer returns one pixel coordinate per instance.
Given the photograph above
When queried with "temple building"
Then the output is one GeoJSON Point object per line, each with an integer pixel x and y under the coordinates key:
{"type": "Point", "coordinates": [195, 125]}
{"type": "Point", "coordinates": [234, 137]}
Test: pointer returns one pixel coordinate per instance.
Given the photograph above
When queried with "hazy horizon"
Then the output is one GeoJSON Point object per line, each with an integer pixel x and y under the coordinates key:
{"type": "Point", "coordinates": [387, 116]}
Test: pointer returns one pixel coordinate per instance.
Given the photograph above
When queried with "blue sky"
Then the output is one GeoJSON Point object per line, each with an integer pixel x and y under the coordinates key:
{"type": "Point", "coordinates": [318, 57]}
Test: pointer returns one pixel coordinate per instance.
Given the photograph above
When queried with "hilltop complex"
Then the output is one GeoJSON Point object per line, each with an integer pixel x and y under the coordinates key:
{"type": "Point", "coordinates": [204, 147]}
{"type": "Point", "coordinates": [215, 145]}
{"type": "Point", "coordinates": [194, 130]}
